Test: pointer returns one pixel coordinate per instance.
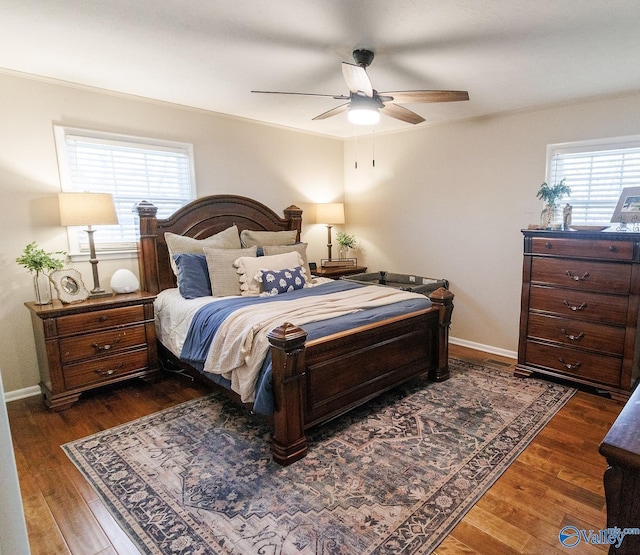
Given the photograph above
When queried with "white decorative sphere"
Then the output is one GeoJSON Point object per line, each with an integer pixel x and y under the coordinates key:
{"type": "Point", "coordinates": [124, 281]}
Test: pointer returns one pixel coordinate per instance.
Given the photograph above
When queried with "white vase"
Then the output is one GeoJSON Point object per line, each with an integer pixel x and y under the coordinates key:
{"type": "Point", "coordinates": [42, 288]}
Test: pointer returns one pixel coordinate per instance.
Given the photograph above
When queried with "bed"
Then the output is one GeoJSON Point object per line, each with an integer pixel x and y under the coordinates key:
{"type": "Point", "coordinates": [313, 380]}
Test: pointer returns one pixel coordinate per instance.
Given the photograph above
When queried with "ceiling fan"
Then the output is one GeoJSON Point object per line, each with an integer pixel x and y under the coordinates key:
{"type": "Point", "coordinates": [365, 103]}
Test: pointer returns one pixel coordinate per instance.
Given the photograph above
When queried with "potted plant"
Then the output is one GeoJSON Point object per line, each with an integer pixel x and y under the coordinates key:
{"type": "Point", "coordinates": [551, 194]}
{"type": "Point", "coordinates": [346, 242]}
{"type": "Point", "coordinates": [40, 263]}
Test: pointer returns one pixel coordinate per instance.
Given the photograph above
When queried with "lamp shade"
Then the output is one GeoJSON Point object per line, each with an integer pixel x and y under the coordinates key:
{"type": "Point", "coordinates": [87, 209]}
{"type": "Point", "coordinates": [330, 213]}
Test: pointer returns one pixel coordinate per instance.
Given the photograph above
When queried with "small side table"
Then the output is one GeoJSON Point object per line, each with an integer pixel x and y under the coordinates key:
{"type": "Point", "coordinates": [338, 271]}
{"type": "Point", "coordinates": [96, 342]}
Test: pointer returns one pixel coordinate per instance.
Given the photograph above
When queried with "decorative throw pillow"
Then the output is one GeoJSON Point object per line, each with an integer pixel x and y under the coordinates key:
{"type": "Point", "coordinates": [178, 244]}
{"type": "Point", "coordinates": [249, 267]}
{"type": "Point", "coordinates": [222, 272]}
{"type": "Point", "coordinates": [281, 249]}
{"type": "Point", "coordinates": [275, 282]}
{"type": "Point", "coordinates": [250, 238]}
{"type": "Point", "coordinates": [193, 275]}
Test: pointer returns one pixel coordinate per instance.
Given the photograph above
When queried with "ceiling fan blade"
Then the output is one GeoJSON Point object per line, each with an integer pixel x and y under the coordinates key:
{"type": "Point", "coordinates": [357, 79]}
{"type": "Point", "coordinates": [333, 112]}
{"type": "Point", "coordinates": [427, 96]}
{"type": "Point", "coordinates": [336, 96]}
{"type": "Point", "coordinates": [401, 113]}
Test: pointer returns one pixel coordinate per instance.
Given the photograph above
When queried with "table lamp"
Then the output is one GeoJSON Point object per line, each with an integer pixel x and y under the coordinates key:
{"type": "Point", "coordinates": [330, 214]}
{"type": "Point", "coordinates": [88, 209]}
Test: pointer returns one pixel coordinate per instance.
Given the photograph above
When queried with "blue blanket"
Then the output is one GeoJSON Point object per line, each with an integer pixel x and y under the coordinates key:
{"type": "Point", "coordinates": [208, 319]}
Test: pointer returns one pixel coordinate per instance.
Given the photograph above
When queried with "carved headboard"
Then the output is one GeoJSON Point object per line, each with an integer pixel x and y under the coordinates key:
{"type": "Point", "coordinates": [199, 219]}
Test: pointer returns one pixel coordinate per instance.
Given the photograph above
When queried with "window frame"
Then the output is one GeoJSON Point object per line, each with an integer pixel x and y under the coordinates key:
{"type": "Point", "coordinates": [61, 132]}
{"type": "Point", "coordinates": [612, 144]}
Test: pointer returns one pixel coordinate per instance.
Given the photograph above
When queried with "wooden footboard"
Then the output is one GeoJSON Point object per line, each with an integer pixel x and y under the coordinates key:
{"type": "Point", "coordinates": [319, 380]}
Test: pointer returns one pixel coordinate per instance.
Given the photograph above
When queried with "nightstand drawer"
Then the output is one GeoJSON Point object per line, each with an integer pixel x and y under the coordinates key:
{"type": "Point", "coordinates": [587, 335]}
{"type": "Point", "coordinates": [610, 250]}
{"type": "Point", "coordinates": [105, 369]}
{"type": "Point", "coordinates": [574, 363]}
{"type": "Point", "coordinates": [583, 275]}
{"type": "Point", "coordinates": [101, 343]}
{"type": "Point", "coordinates": [582, 305]}
{"type": "Point", "coordinates": [90, 321]}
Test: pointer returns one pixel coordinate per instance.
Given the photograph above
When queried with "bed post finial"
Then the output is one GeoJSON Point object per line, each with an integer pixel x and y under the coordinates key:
{"type": "Point", "coordinates": [443, 299]}
{"type": "Point", "coordinates": [287, 369]}
{"type": "Point", "coordinates": [148, 247]}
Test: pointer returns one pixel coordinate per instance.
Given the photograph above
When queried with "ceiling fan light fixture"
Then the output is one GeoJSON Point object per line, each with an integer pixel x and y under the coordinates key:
{"type": "Point", "coordinates": [364, 116]}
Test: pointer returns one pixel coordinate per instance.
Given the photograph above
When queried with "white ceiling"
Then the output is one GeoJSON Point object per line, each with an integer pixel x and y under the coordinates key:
{"type": "Point", "coordinates": [509, 54]}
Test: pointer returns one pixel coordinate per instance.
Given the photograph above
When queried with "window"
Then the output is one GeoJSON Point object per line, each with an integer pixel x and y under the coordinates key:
{"type": "Point", "coordinates": [596, 171]}
{"type": "Point", "coordinates": [130, 168]}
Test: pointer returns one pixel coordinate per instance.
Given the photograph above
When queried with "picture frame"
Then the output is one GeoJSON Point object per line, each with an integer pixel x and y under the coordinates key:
{"type": "Point", "coordinates": [69, 285]}
{"type": "Point", "coordinates": [628, 208]}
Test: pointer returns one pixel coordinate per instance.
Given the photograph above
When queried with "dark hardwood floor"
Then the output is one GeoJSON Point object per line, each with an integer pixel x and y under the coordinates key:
{"type": "Point", "coordinates": [555, 482]}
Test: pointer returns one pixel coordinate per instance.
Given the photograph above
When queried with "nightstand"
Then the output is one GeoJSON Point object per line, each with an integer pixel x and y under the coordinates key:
{"type": "Point", "coordinates": [338, 271]}
{"type": "Point", "coordinates": [89, 344]}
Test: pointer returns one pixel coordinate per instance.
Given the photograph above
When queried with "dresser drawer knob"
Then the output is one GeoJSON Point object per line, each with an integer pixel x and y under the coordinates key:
{"type": "Point", "coordinates": [577, 278]}
{"type": "Point", "coordinates": [103, 318]}
{"type": "Point", "coordinates": [548, 245]}
{"type": "Point", "coordinates": [569, 366]}
{"type": "Point", "coordinates": [573, 307]}
{"type": "Point", "coordinates": [572, 337]}
{"type": "Point", "coordinates": [109, 372]}
{"type": "Point", "coordinates": [613, 248]}
{"type": "Point", "coordinates": [106, 346]}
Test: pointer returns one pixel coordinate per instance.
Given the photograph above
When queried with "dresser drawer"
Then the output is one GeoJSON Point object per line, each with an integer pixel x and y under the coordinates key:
{"type": "Point", "coordinates": [581, 305]}
{"type": "Point", "coordinates": [574, 363]}
{"type": "Point", "coordinates": [587, 335]}
{"type": "Point", "coordinates": [610, 250]}
{"type": "Point", "coordinates": [582, 275]}
{"type": "Point", "coordinates": [104, 369]}
{"type": "Point", "coordinates": [79, 347]}
{"type": "Point", "coordinates": [90, 321]}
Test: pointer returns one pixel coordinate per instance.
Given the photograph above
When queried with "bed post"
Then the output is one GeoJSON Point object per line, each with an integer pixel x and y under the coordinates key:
{"type": "Point", "coordinates": [148, 247]}
{"type": "Point", "coordinates": [288, 362]}
{"type": "Point", "coordinates": [443, 299]}
{"type": "Point", "coordinates": [294, 215]}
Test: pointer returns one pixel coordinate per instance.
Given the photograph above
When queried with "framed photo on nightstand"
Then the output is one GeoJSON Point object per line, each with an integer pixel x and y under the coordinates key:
{"type": "Point", "coordinates": [69, 285]}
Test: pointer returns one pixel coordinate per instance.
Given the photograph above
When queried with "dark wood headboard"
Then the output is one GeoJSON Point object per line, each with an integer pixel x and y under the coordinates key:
{"type": "Point", "coordinates": [199, 219]}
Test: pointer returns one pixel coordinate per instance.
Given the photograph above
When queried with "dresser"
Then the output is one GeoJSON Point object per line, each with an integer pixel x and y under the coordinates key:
{"type": "Point", "coordinates": [579, 308]}
{"type": "Point", "coordinates": [89, 344]}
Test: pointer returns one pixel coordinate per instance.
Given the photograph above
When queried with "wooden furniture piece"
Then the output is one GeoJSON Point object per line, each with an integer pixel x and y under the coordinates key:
{"type": "Point", "coordinates": [579, 312]}
{"type": "Point", "coordinates": [317, 380]}
{"type": "Point", "coordinates": [621, 448]}
{"type": "Point", "coordinates": [338, 271]}
{"type": "Point", "coordinates": [85, 345]}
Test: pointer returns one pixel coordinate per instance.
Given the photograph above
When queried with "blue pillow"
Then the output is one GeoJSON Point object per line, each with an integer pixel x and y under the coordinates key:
{"type": "Point", "coordinates": [275, 282]}
{"type": "Point", "coordinates": [193, 275]}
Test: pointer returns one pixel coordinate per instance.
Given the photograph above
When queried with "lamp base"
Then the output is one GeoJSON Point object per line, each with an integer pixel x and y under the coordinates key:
{"type": "Point", "coordinates": [97, 293]}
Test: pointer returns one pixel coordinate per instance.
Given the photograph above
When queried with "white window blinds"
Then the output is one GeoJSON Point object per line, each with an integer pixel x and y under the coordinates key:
{"type": "Point", "coordinates": [596, 172]}
{"type": "Point", "coordinates": [131, 169]}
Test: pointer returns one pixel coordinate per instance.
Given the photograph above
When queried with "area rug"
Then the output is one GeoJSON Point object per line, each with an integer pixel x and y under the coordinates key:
{"type": "Point", "coordinates": [394, 476]}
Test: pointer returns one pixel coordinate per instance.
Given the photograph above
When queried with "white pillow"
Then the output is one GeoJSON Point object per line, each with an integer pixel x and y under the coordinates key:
{"type": "Point", "coordinates": [248, 267]}
{"type": "Point", "coordinates": [178, 244]}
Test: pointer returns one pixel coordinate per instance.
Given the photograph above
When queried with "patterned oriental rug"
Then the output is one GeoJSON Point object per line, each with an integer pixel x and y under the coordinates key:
{"type": "Point", "coordinates": [394, 476]}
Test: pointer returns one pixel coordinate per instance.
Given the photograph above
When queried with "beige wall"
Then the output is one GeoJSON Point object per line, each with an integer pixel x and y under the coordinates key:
{"type": "Point", "coordinates": [449, 201]}
{"type": "Point", "coordinates": [445, 201]}
{"type": "Point", "coordinates": [274, 165]}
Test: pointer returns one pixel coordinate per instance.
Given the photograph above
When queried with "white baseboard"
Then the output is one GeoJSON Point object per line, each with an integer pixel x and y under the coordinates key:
{"type": "Point", "coordinates": [485, 348]}
{"type": "Point", "coordinates": [22, 393]}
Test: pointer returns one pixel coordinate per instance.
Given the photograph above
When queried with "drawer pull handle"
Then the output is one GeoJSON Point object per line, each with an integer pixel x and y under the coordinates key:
{"type": "Point", "coordinates": [109, 372]}
{"type": "Point", "coordinates": [613, 248]}
{"type": "Point", "coordinates": [570, 366]}
{"type": "Point", "coordinates": [103, 318]}
{"type": "Point", "coordinates": [548, 245]}
{"type": "Point", "coordinates": [106, 346]}
{"type": "Point", "coordinates": [572, 337]}
{"type": "Point", "coordinates": [577, 278]}
{"type": "Point", "coordinates": [573, 307]}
